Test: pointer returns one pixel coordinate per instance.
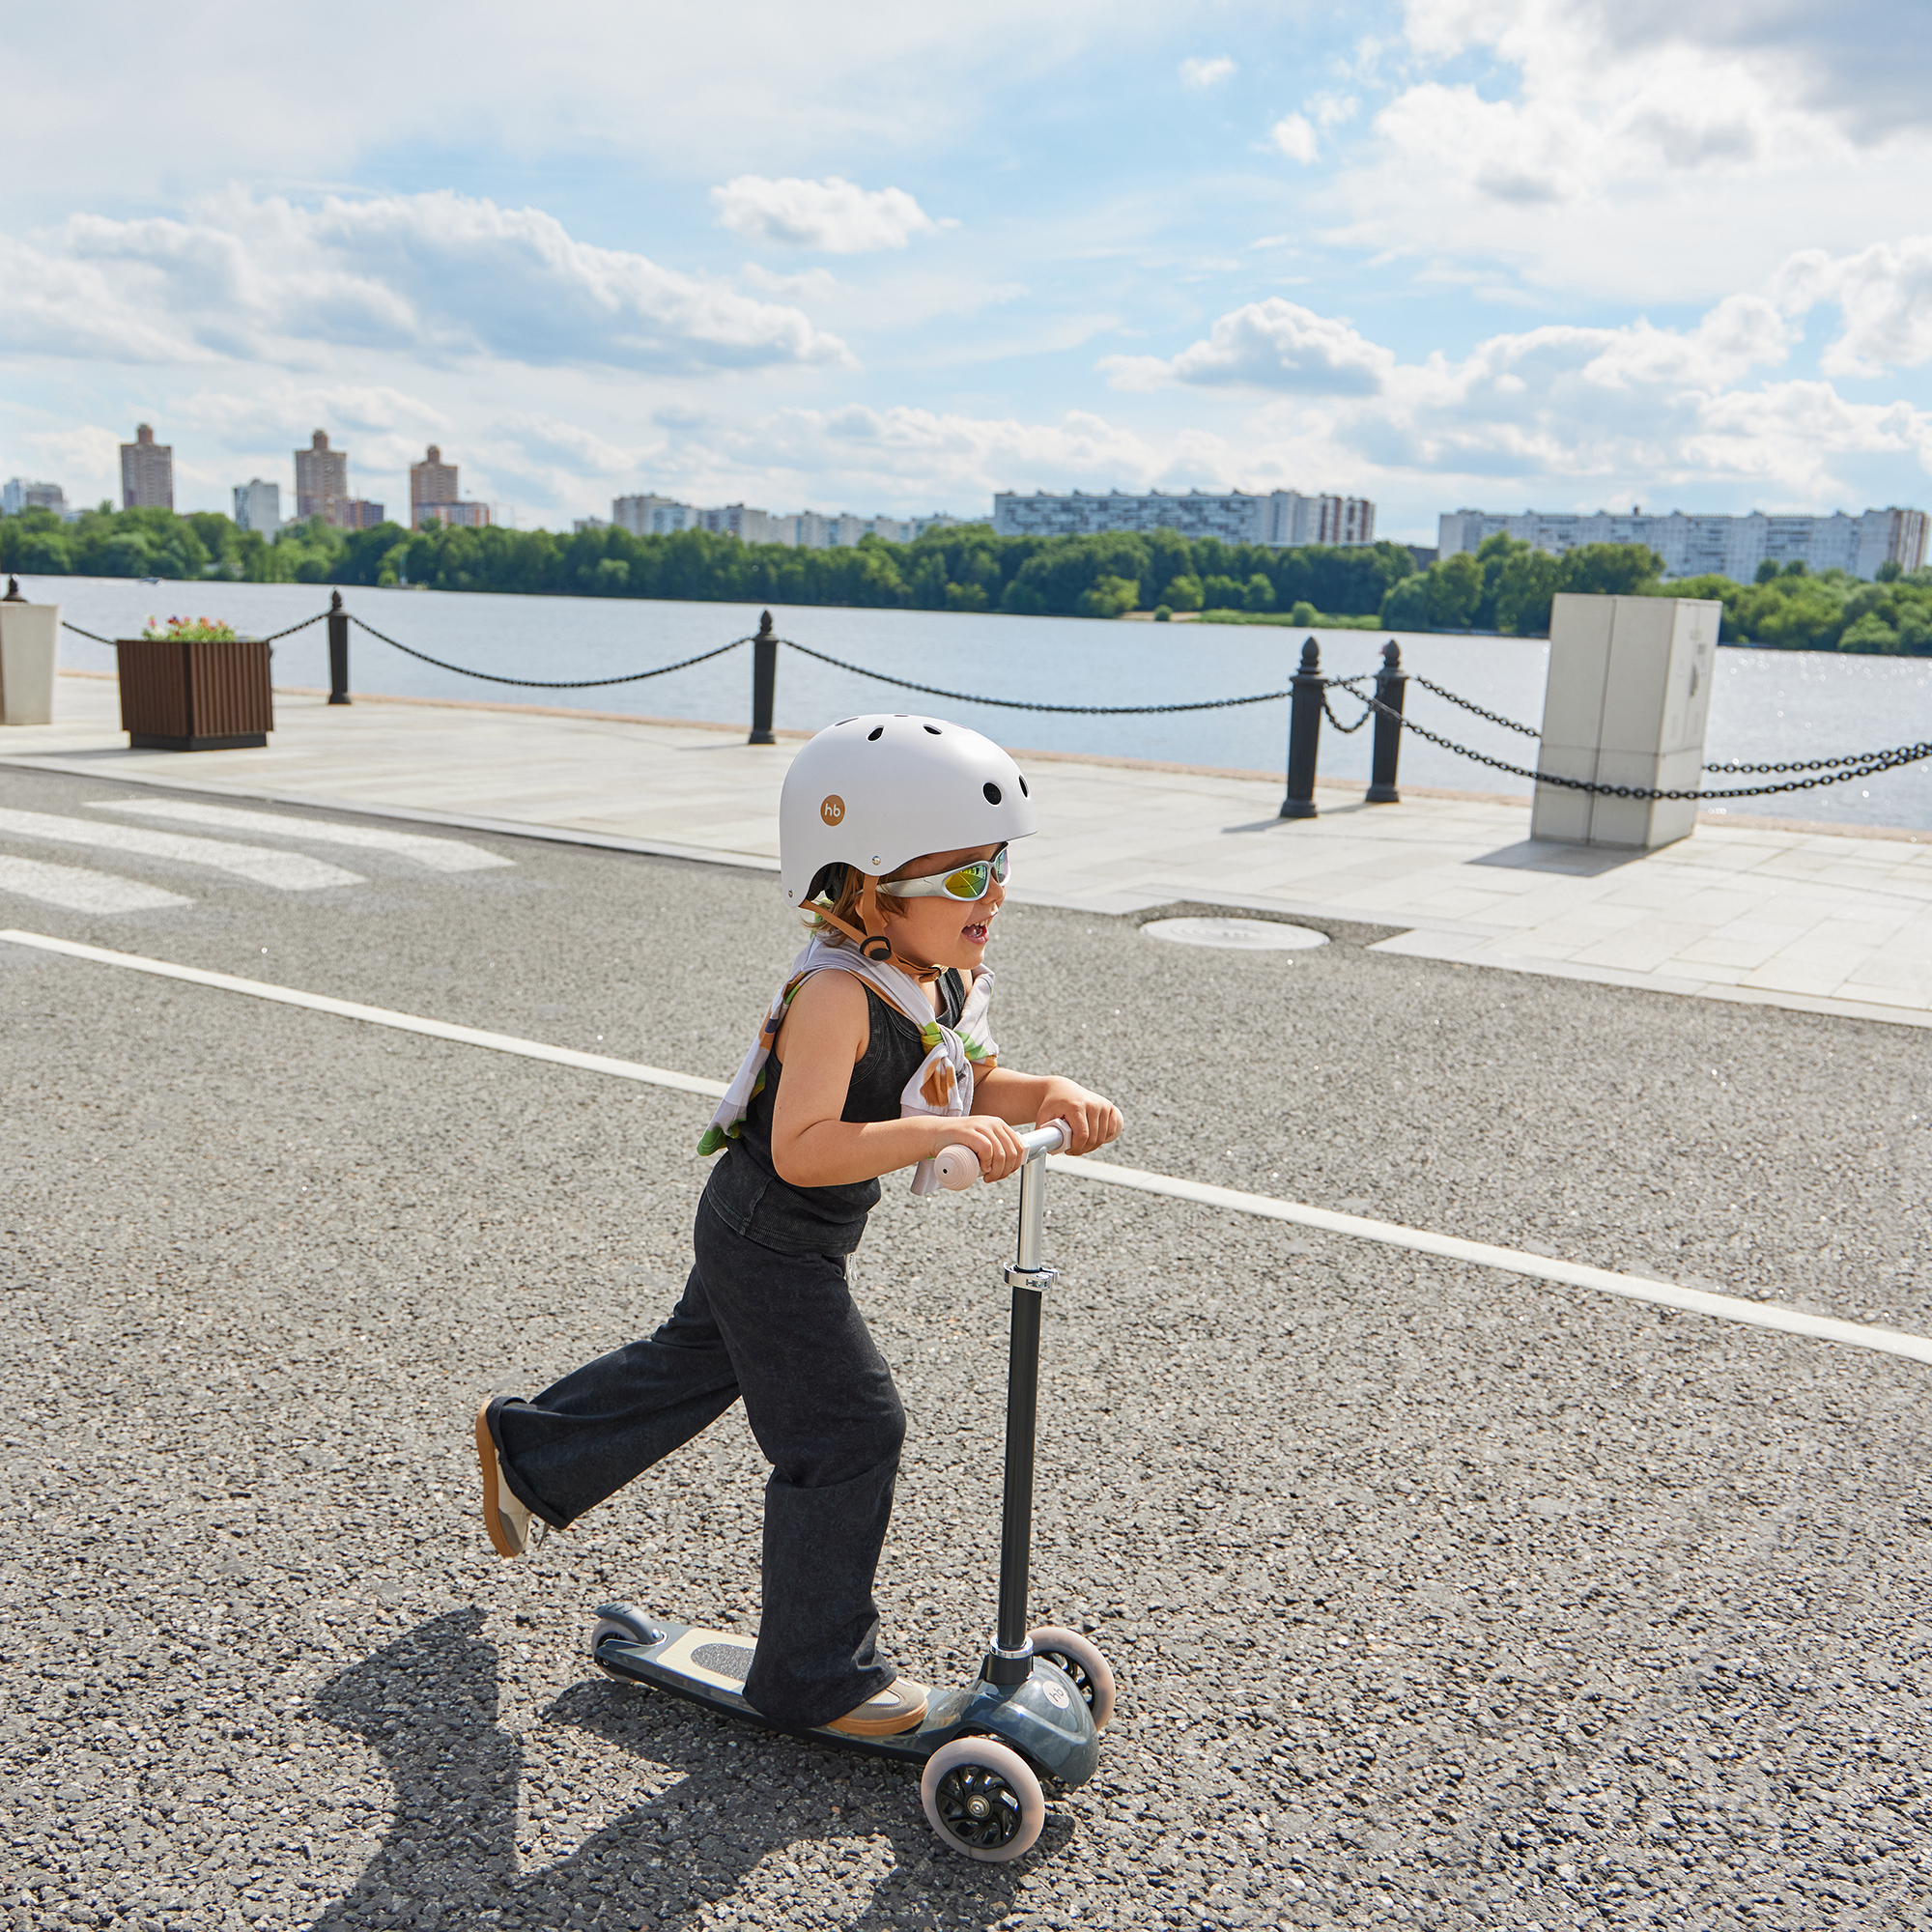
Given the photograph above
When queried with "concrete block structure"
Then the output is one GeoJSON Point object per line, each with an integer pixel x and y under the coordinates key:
{"type": "Point", "coordinates": [147, 473]}
{"type": "Point", "coordinates": [1283, 518]}
{"type": "Point", "coordinates": [1627, 697]}
{"type": "Point", "coordinates": [29, 646]}
{"type": "Point", "coordinates": [1691, 546]}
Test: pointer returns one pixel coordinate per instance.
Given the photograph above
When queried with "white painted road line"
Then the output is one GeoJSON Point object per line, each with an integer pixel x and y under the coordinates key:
{"type": "Point", "coordinates": [347, 1010]}
{"type": "Point", "coordinates": [1539, 1268]}
{"type": "Point", "coordinates": [78, 890]}
{"type": "Point", "coordinates": [439, 855]}
{"type": "Point", "coordinates": [287, 871]}
{"type": "Point", "coordinates": [1510, 1261]}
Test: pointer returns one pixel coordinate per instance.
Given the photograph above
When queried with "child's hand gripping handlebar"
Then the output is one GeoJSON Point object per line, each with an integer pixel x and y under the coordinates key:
{"type": "Point", "coordinates": [959, 1166]}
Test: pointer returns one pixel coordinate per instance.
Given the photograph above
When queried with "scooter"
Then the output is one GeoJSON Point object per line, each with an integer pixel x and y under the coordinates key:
{"type": "Point", "coordinates": [1043, 1696]}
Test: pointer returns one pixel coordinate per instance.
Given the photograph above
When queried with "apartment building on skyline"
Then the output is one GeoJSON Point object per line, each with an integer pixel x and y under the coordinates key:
{"type": "Point", "coordinates": [258, 506]}
{"type": "Point", "coordinates": [147, 473]}
{"type": "Point", "coordinates": [1693, 545]}
{"type": "Point", "coordinates": [18, 493]}
{"type": "Point", "coordinates": [1283, 518]}
{"type": "Point", "coordinates": [322, 480]}
{"type": "Point", "coordinates": [434, 492]}
{"type": "Point", "coordinates": [652, 516]}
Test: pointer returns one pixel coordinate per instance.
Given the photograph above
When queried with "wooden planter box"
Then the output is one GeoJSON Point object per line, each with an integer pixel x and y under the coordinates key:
{"type": "Point", "coordinates": [178, 695]}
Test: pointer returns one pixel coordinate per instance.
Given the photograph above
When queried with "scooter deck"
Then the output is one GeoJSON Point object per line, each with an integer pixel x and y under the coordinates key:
{"type": "Point", "coordinates": [1044, 1718]}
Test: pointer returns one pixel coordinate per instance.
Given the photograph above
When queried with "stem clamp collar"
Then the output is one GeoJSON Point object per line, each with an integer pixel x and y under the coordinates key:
{"type": "Point", "coordinates": [1038, 1279]}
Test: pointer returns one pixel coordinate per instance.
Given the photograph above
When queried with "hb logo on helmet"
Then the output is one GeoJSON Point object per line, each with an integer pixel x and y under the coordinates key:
{"type": "Point", "coordinates": [833, 811]}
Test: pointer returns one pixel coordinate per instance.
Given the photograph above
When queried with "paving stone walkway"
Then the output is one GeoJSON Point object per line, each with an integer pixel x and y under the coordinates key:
{"type": "Point", "coordinates": [1789, 915]}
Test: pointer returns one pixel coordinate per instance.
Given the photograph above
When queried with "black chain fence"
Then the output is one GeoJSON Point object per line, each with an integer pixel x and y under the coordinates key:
{"type": "Point", "coordinates": [1022, 704]}
{"type": "Point", "coordinates": [95, 637]}
{"type": "Point", "coordinates": [1494, 718]}
{"type": "Point", "coordinates": [1823, 771]}
{"type": "Point", "coordinates": [1860, 765]}
{"type": "Point", "coordinates": [1335, 683]}
{"type": "Point", "coordinates": [544, 683]}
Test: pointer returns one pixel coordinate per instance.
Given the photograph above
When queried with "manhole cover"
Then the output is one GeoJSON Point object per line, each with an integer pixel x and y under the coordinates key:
{"type": "Point", "coordinates": [1247, 935]}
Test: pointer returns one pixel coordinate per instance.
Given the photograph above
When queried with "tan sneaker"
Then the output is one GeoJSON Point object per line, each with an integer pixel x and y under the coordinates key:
{"type": "Point", "coordinates": [899, 1707]}
{"type": "Point", "coordinates": [504, 1515]}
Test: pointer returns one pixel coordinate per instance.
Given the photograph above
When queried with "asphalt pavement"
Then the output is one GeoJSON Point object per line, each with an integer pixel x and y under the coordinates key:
{"type": "Point", "coordinates": [1438, 1597]}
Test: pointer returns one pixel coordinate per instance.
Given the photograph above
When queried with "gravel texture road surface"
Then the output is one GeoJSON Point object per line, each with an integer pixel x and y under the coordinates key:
{"type": "Point", "coordinates": [1438, 1597]}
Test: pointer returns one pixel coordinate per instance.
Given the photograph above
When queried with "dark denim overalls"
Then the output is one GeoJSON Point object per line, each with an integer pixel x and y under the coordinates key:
{"type": "Point", "coordinates": [767, 1315]}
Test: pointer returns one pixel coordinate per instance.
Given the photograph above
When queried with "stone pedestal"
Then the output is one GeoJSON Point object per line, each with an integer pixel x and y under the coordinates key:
{"type": "Point", "coordinates": [1629, 685]}
{"type": "Point", "coordinates": [29, 645]}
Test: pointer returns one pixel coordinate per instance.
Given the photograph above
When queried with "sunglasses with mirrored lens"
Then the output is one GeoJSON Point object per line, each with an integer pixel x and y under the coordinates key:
{"type": "Point", "coordinates": [967, 884]}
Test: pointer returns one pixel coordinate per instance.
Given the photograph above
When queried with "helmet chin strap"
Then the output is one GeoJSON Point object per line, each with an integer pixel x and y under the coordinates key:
{"type": "Point", "coordinates": [872, 940]}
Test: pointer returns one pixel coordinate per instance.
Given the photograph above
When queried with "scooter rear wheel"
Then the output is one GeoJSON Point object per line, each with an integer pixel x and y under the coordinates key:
{"type": "Point", "coordinates": [982, 1799]}
{"type": "Point", "coordinates": [1080, 1657]}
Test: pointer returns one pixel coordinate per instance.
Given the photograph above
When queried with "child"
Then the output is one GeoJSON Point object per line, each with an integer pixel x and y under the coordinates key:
{"type": "Point", "coordinates": [893, 835]}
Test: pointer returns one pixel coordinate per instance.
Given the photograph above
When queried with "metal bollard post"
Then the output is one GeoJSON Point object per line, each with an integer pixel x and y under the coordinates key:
{"type": "Point", "coordinates": [1304, 732]}
{"type": "Point", "coordinates": [338, 650]}
{"type": "Point", "coordinates": [1391, 681]}
{"type": "Point", "coordinates": [764, 681]}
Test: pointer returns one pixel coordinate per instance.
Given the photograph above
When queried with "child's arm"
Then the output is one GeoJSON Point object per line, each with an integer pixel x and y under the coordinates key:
{"type": "Point", "coordinates": [823, 1038]}
{"type": "Point", "coordinates": [1033, 1099]}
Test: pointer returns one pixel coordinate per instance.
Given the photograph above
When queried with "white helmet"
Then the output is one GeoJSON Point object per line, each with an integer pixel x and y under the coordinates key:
{"type": "Point", "coordinates": [872, 792]}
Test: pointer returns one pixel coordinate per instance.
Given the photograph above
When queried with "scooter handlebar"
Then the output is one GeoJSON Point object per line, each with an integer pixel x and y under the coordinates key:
{"type": "Point", "coordinates": [958, 1166]}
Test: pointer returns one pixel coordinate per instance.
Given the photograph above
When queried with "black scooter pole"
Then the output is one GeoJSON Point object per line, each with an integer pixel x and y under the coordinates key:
{"type": "Point", "coordinates": [1011, 1659]}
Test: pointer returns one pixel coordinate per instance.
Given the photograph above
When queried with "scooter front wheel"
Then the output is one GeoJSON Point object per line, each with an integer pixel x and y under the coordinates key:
{"type": "Point", "coordinates": [982, 1798]}
{"type": "Point", "coordinates": [1080, 1659]}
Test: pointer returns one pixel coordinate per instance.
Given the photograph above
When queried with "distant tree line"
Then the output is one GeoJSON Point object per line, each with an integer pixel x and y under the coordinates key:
{"type": "Point", "coordinates": [960, 567]}
{"type": "Point", "coordinates": [1506, 585]}
{"type": "Point", "coordinates": [1503, 587]}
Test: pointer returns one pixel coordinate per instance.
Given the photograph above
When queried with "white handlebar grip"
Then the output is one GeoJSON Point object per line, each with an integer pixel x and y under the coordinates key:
{"type": "Point", "coordinates": [956, 1167]}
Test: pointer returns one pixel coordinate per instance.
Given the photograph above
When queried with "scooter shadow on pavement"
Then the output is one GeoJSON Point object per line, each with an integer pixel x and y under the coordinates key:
{"type": "Point", "coordinates": [428, 1704]}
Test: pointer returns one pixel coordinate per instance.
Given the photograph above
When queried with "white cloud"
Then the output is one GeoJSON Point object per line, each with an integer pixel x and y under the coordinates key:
{"type": "Point", "coordinates": [1624, 411]}
{"type": "Point", "coordinates": [836, 217]}
{"type": "Point", "coordinates": [1268, 344]}
{"type": "Point", "coordinates": [566, 446]}
{"type": "Point", "coordinates": [910, 456]}
{"type": "Point", "coordinates": [436, 277]}
{"type": "Point", "coordinates": [1294, 134]}
{"type": "Point", "coordinates": [1204, 71]}
{"type": "Point", "coordinates": [1640, 151]}
{"type": "Point", "coordinates": [1885, 296]}
{"type": "Point", "coordinates": [607, 83]}
{"type": "Point", "coordinates": [817, 285]}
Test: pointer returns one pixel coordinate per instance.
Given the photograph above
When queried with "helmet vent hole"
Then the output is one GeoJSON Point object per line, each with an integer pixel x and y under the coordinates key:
{"type": "Point", "coordinates": [877, 732]}
{"type": "Point", "coordinates": [993, 792]}
{"type": "Point", "coordinates": [1024, 793]}
{"type": "Point", "coordinates": [934, 730]}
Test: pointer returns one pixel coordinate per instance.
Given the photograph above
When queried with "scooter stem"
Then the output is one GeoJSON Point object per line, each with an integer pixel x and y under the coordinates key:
{"type": "Point", "coordinates": [1011, 1660]}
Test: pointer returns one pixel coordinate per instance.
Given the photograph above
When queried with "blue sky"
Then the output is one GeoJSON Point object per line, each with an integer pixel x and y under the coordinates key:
{"type": "Point", "coordinates": [1502, 254]}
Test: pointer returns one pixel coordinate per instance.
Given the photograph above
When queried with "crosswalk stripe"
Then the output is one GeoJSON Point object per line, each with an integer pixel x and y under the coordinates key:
{"type": "Point", "coordinates": [1095, 1173]}
{"type": "Point", "coordinates": [287, 871]}
{"type": "Point", "coordinates": [439, 855]}
{"type": "Point", "coordinates": [78, 890]}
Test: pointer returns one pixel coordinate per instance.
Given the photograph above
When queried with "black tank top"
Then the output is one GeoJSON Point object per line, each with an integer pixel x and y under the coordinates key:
{"type": "Point", "coordinates": [745, 1190]}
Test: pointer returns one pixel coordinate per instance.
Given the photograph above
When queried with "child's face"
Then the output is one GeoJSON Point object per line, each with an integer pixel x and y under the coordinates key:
{"type": "Point", "coordinates": [944, 931]}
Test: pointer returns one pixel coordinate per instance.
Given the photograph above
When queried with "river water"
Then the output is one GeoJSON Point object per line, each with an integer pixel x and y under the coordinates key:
{"type": "Point", "coordinates": [1765, 705]}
